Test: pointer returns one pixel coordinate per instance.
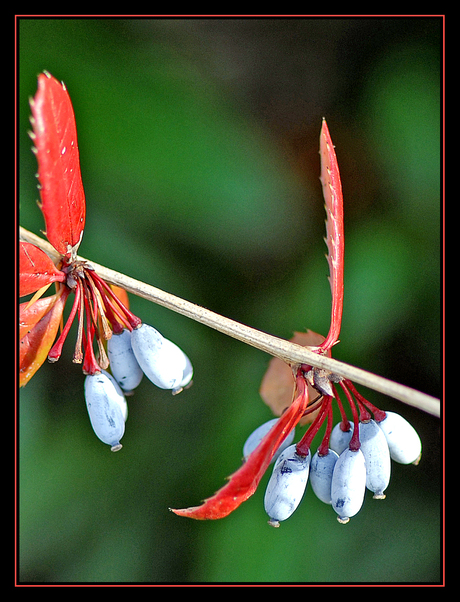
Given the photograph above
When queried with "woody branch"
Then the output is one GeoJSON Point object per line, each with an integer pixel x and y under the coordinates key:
{"type": "Point", "coordinates": [275, 346]}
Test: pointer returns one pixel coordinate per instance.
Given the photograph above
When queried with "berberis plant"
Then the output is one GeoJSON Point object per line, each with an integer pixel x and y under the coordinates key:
{"type": "Point", "coordinates": [135, 348]}
{"type": "Point", "coordinates": [302, 381]}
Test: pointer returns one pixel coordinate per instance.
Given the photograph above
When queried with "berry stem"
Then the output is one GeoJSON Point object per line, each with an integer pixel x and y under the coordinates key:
{"type": "Point", "coordinates": [323, 449]}
{"type": "Point", "coordinates": [114, 316]}
{"type": "Point", "coordinates": [99, 304]}
{"type": "Point", "coordinates": [354, 444]}
{"type": "Point", "coordinates": [303, 447]}
{"type": "Point", "coordinates": [78, 353]}
{"type": "Point", "coordinates": [379, 415]}
{"type": "Point", "coordinates": [131, 320]}
{"type": "Point", "coordinates": [90, 365]}
{"type": "Point", "coordinates": [345, 424]}
{"type": "Point", "coordinates": [56, 350]}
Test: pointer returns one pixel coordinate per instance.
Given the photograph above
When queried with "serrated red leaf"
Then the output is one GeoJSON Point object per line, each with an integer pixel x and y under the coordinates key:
{"type": "Point", "coordinates": [38, 326]}
{"type": "Point", "coordinates": [332, 191]}
{"type": "Point", "coordinates": [61, 188]}
{"type": "Point", "coordinates": [243, 483]}
{"type": "Point", "coordinates": [36, 269]}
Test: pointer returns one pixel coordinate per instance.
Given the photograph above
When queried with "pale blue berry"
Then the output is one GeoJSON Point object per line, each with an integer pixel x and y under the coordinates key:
{"type": "Point", "coordinates": [339, 439]}
{"type": "Point", "coordinates": [403, 441]}
{"type": "Point", "coordinates": [163, 362]}
{"type": "Point", "coordinates": [106, 408]}
{"type": "Point", "coordinates": [348, 484]}
{"type": "Point", "coordinates": [321, 470]}
{"type": "Point", "coordinates": [377, 457]}
{"type": "Point", "coordinates": [286, 486]}
{"type": "Point", "coordinates": [123, 363]}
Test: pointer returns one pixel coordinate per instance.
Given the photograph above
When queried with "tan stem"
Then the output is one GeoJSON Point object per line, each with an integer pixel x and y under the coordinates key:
{"type": "Point", "coordinates": [275, 346]}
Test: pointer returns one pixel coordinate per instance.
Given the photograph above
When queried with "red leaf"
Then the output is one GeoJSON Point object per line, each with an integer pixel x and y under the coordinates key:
{"type": "Point", "coordinates": [332, 191]}
{"type": "Point", "coordinates": [61, 188]}
{"type": "Point", "coordinates": [38, 326]}
{"type": "Point", "coordinates": [244, 481]}
{"type": "Point", "coordinates": [36, 269]}
{"type": "Point", "coordinates": [30, 315]}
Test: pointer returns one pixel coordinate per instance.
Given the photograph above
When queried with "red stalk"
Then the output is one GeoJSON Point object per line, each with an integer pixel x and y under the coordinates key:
{"type": "Point", "coordinates": [379, 415]}
{"type": "Point", "coordinates": [303, 447]}
{"type": "Point", "coordinates": [323, 449]}
{"type": "Point", "coordinates": [354, 444]}
{"type": "Point", "coordinates": [133, 320]}
{"type": "Point", "coordinates": [56, 350]}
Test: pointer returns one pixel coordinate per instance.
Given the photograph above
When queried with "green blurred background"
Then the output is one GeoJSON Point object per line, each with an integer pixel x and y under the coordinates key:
{"type": "Point", "coordinates": [199, 150]}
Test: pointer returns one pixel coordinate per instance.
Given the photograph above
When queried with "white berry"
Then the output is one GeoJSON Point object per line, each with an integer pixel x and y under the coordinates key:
{"type": "Point", "coordinates": [403, 441]}
{"type": "Point", "coordinates": [377, 457]}
{"type": "Point", "coordinates": [119, 398]}
{"type": "Point", "coordinates": [339, 440]}
{"type": "Point", "coordinates": [123, 363]}
{"type": "Point", "coordinates": [348, 484]}
{"type": "Point", "coordinates": [286, 485]}
{"type": "Point", "coordinates": [106, 408]}
{"type": "Point", "coordinates": [321, 470]}
{"type": "Point", "coordinates": [163, 362]}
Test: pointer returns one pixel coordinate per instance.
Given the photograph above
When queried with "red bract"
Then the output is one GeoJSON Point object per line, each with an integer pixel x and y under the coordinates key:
{"type": "Point", "coordinates": [36, 270]}
{"type": "Point", "coordinates": [38, 326]}
{"type": "Point", "coordinates": [63, 206]}
{"type": "Point", "coordinates": [61, 188]}
{"type": "Point", "coordinates": [277, 391]}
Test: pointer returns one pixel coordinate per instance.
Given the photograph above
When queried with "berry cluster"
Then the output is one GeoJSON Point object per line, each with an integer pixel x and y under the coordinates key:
{"type": "Point", "coordinates": [130, 347]}
{"type": "Point", "coordinates": [132, 354]}
{"type": "Point", "coordinates": [343, 466]}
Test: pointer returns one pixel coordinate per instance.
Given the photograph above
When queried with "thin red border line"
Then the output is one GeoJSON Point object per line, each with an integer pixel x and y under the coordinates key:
{"type": "Point", "coordinates": [442, 584]}
{"type": "Point", "coordinates": [223, 584]}
{"type": "Point", "coordinates": [226, 15]}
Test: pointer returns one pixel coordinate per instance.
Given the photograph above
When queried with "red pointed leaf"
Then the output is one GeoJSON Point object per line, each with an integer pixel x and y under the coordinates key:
{"type": "Point", "coordinates": [38, 326]}
{"type": "Point", "coordinates": [332, 191]}
{"type": "Point", "coordinates": [244, 481]}
{"type": "Point", "coordinates": [61, 188]}
{"type": "Point", "coordinates": [36, 269]}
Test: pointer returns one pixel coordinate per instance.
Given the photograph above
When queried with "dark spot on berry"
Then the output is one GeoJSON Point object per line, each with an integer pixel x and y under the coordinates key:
{"type": "Point", "coordinates": [285, 469]}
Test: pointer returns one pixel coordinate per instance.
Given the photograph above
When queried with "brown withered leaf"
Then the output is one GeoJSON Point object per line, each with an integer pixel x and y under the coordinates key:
{"type": "Point", "coordinates": [277, 387]}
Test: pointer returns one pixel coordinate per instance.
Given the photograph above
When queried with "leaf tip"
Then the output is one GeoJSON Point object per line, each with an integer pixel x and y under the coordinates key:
{"type": "Point", "coordinates": [191, 512]}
